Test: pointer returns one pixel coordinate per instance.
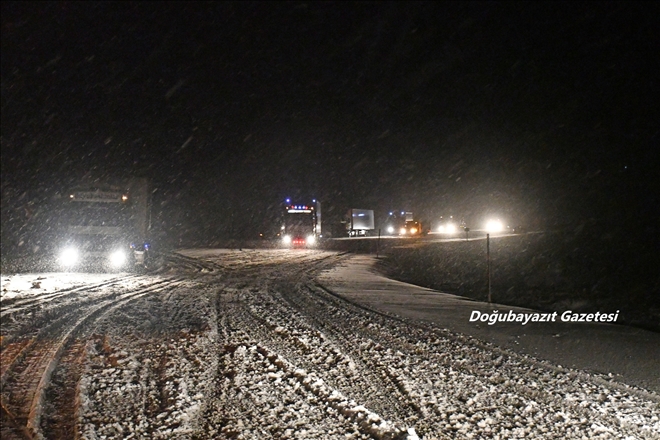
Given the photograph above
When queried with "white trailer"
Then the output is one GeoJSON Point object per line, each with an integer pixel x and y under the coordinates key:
{"type": "Point", "coordinates": [359, 222]}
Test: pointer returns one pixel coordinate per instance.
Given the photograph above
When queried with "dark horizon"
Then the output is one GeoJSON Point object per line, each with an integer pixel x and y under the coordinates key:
{"type": "Point", "coordinates": [543, 112]}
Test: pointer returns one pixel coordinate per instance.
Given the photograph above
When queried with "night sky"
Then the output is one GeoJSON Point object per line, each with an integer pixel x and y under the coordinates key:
{"type": "Point", "coordinates": [546, 114]}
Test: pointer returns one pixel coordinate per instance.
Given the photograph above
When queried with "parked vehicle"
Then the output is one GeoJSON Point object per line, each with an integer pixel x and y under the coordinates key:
{"type": "Point", "coordinates": [359, 222]}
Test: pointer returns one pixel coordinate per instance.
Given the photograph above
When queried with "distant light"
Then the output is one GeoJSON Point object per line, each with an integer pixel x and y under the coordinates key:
{"type": "Point", "coordinates": [124, 197]}
{"type": "Point", "coordinates": [288, 200]}
{"type": "Point", "coordinates": [313, 200]}
{"type": "Point", "coordinates": [391, 213]}
{"type": "Point", "coordinates": [402, 212]}
{"type": "Point", "coordinates": [494, 226]}
{"type": "Point", "coordinates": [71, 196]}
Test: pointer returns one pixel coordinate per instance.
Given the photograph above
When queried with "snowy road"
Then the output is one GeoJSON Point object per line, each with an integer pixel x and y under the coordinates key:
{"type": "Point", "coordinates": [249, 344]}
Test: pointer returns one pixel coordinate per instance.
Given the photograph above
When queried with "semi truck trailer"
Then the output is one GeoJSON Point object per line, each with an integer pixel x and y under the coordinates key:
{"type": "Point", "coordinates": [359, 222]}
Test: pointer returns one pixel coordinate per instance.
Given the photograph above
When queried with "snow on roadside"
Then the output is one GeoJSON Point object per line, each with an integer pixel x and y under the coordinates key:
{"type": "Point", "coordinates": [31, 284]}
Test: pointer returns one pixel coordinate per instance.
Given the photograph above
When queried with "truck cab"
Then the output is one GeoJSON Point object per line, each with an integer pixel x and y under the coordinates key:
{"type": "Point", "coordinates": [103, 227]}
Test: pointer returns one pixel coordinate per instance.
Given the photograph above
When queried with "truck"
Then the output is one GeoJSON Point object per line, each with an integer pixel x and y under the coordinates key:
{"type": "Point", "coordinates": [400, 223]}
{"type": "Point", "coordinates": [359, 222]}
{"type": "Point", "coordinates": [105, 225]}
{"type": "Point", "coordinates": [410, 226]}
{"type": "Point", "coordinates": [301, 223]}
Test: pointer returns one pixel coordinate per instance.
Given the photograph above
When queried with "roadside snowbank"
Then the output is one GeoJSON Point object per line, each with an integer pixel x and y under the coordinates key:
{"type": "Point", "coordinates": [630, 355]}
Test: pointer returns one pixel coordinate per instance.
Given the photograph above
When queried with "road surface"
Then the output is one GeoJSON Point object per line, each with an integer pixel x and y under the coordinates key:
{"type": "Point", "coordinates": [252, 344]}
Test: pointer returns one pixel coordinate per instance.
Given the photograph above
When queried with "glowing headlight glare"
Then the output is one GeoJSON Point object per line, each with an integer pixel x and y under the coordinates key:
{"type": "Point", "coordinates": [402, 231]}
{"type": "Point", "coordinates": [311, 239]}
{"type": "Point", "coordinates": [117, 258]}
{"type": "Point", "coordinates": [413, 230]}
{"type": "Point", "coordinates": [494, 226]}
{"type": "Point", "coordinates": [286, 239]}
{"type": "Point", "coordinates": [441, 229]}
{"type": "Point", "coordinates": [69, 256]}
{"type": "Point", "coordinates": [450, 229]}
{"type": "Point", "coordinates": [390, 230]}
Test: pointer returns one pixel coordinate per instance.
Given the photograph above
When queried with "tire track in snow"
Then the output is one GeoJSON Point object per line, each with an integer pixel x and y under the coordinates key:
{"type": "Point", "coordinates": [488, 383]}
{"type": "Point", "coordinates": [338, 344]}
{"type": "Point", "coordinates": [248, 352]}
{"type": "Point", "coordinates": [23, 305]}
{"type": "Point", "coordinates": [26, 376]}
{"type": "Point", "coordinates": [14, 345]}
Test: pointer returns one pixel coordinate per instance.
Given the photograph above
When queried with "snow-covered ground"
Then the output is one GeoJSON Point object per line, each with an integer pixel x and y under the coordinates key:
{"type": "Point", "coordinates": [31, 284]}
{"type": "Point", "coordinates": [261, 344]}
{"type": "Point", "coordinates": [629, 354]}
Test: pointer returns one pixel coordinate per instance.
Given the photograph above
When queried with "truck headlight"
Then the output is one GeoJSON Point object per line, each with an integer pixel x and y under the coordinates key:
{"type": "Point", "coordinates": [402, 231]}
{"type": "Point", "coordinates": [450, 229]}
{"type": "Point", "coordinates": [118, 258]}
{"type": "Point", "coordinates": [286, 239]}
{"type": "Point", "coordinates": [390, 230]}
{"type": "Point", "coordinates": [494, 226]}
{"type": "Point", "coordinates": [69, 256]}
{"type": "Point", "coordinates": [311, 239]}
